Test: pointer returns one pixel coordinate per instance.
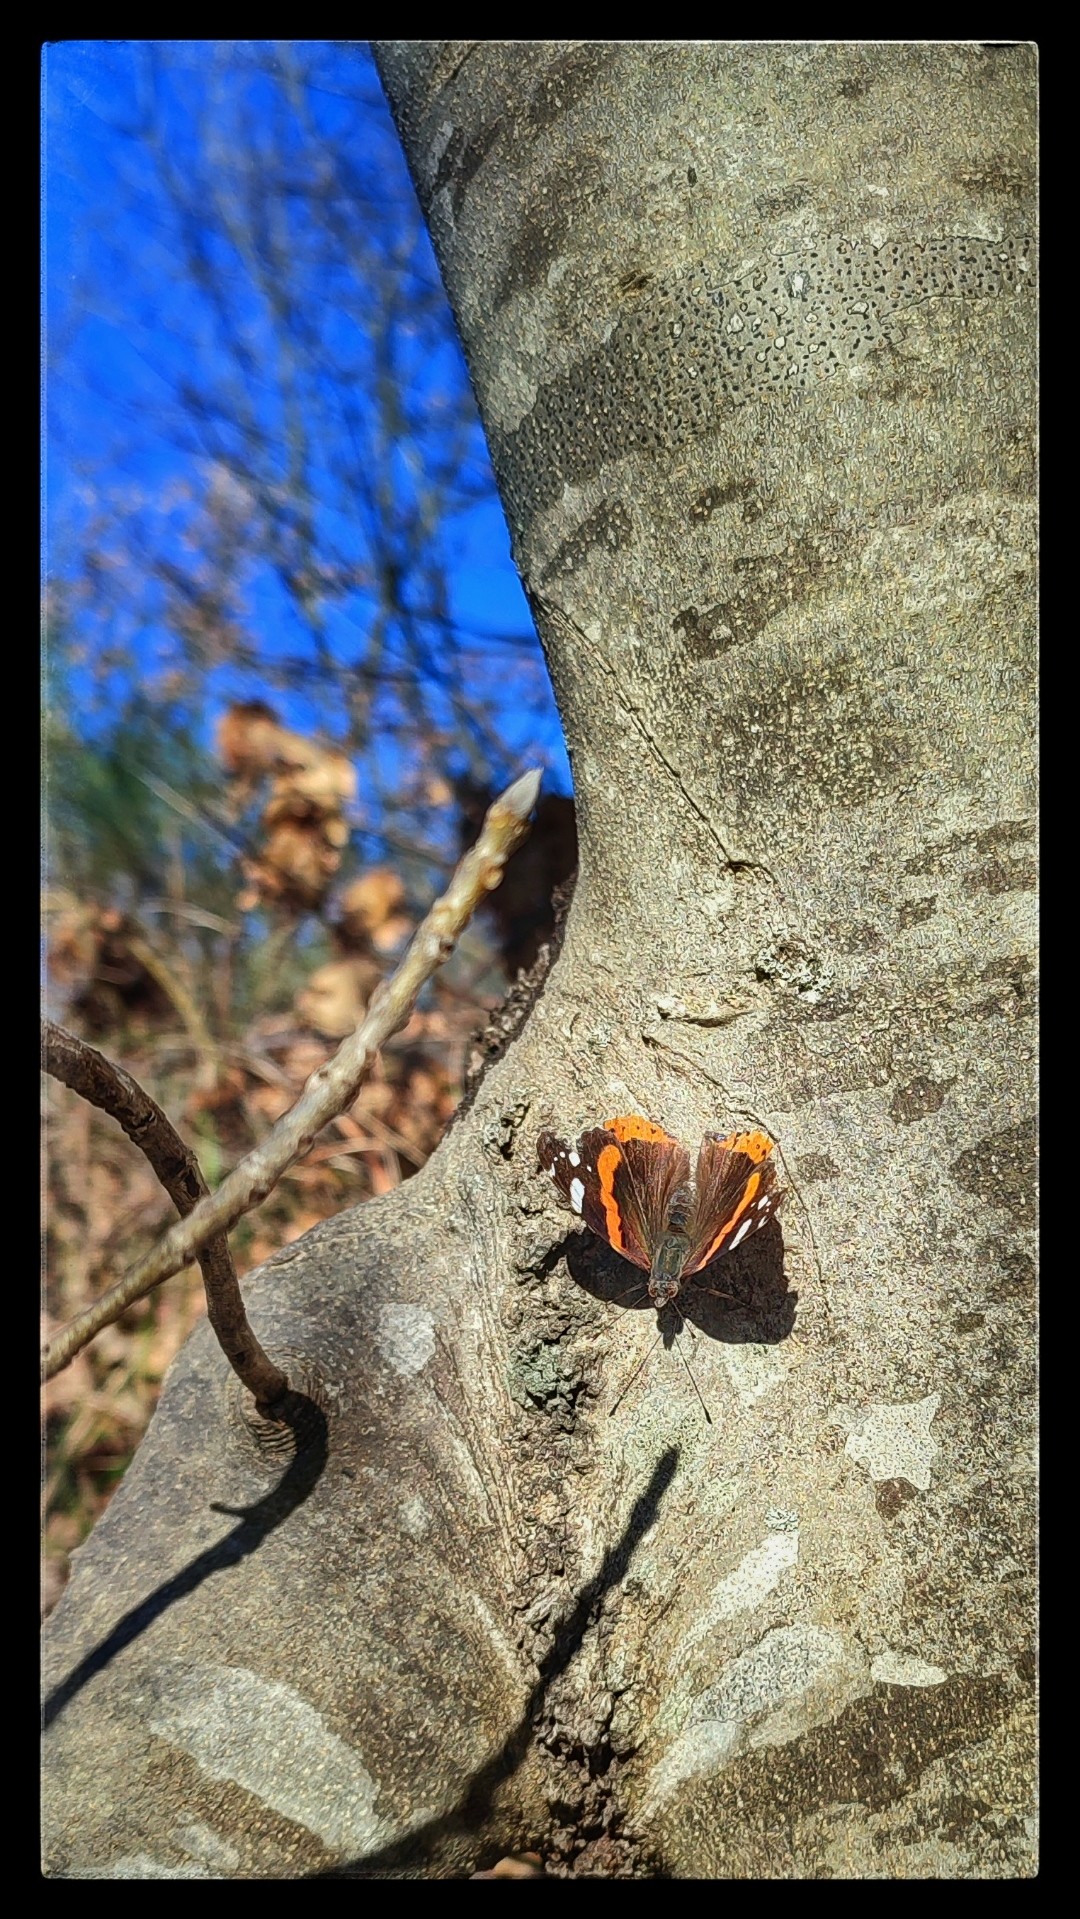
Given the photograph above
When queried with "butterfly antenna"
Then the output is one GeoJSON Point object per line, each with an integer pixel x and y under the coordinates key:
{"type": "Point", "coordinates": [689, 1368]}
{"type": "Point", "coordinates": [642, 1363]}
{"type": "Point", "coordinates": [697, 1388]}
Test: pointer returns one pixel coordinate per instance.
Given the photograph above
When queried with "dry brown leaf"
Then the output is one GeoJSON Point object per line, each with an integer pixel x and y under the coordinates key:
{"type": "Point", "coordinates": [372, 910]}
{"type": "Point", "coordinates": [229, 1087]}
{"type": "Point", "coordinates": [301, 1058]}
{"type": "Point", "coordinates": [302, 822]}
{"type": "Point", "coordinates": [376, 1097]}
{"type": "Point", "coordinates": [516, 1865]}
{"type": "Point", "coordinates": [269, 1102]}
{"type": "Point", "coordinates": [336, 995]}
{"type": "Point", "coordinates": [321, 777]}
{"type": "Point", "coordinates": [247, 740]}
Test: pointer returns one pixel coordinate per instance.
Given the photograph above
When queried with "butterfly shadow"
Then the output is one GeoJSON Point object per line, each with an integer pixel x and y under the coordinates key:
{"type": "Point", "coordinates": [741, 1299]}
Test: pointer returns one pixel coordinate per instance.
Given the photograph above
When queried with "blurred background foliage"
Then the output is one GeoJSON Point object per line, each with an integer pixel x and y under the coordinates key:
{"type": "Point", "coordinates": [287, 663]}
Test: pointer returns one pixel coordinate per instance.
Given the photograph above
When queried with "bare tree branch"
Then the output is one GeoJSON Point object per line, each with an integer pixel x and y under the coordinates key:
{"type": "Point", "coordinates": [107, 1086]}
{"type": "Point", "coordinates": [333, 1087]}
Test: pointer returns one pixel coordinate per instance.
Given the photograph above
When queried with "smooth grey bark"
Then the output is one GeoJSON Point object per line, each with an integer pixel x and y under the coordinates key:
{"type": "Point", "coordinates": [751, 329]}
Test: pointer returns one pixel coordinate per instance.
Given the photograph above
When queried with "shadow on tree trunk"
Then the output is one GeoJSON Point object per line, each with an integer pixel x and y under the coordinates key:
{"type": "Point", "coordinates": [475, 1803]}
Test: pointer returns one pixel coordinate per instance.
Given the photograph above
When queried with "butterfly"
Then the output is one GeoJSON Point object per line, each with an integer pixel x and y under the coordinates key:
{"type": "Point", "coordinates": [630, 1182]}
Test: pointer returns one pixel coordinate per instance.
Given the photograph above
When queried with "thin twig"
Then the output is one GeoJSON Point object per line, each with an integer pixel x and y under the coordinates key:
{"type": "Point", "coordinates": [374, 1135]}
{"type": "Point", "coordinates": [107, 1086]}
{"type": "Point", "coordinates": [197, 815]}
{"type": "Point", "coordinates": [332, 1087]}
{"type": "Point", "coordinates": [175, 990]}
{"type": "Point", "coordinates": [195, 915]}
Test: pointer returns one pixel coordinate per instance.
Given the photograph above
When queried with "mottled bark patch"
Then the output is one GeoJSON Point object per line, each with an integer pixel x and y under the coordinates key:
{"type": "Point", "coordinates": [918, 1099]}
{"type": "Point", "coordinates": [1014, 1272]}
{"type": "Point", "coordinates": [462, 160]}
{"type": "Point", "coordinates": [607, 530]}
{"type": "Point", "coordinates": [708, 340]}
{"type": "Point", "coordinates": [815, 1166]}
{"type": "Point", "coordinates": [744, 492]}
{"type": "Point", "coordinates": [892, 1495]}
{"type": "Point", "coordinates": [951, 854]}
{"type": "Point", "coordinates": [914, 912]}
{"type": "Point", "coordinates": [1002, 1169]}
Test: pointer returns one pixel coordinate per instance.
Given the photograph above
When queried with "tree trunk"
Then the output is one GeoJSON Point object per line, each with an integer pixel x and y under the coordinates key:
{"type": "Point", "coordinates": [751, 332]}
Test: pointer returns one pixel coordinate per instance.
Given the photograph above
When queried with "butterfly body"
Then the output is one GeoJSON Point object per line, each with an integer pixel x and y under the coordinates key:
{"type": "Point", "coordinates": [631, 1183]}
{"type": "Point", "coordinates": [668, 1266]}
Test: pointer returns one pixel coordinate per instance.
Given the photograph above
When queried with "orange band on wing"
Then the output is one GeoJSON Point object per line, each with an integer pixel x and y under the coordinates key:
{"type": "Point", "coordinates": [607, 1160]}
{"type": "Point", "coordinates": [751, 1187]}
{"type": "Point", "coordinates": [632, 1126]}
{"type": "Point", "coordinates": [756, 1146]}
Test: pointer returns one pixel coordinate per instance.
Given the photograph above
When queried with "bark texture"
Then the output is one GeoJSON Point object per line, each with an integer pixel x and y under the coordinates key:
{"type": "Point", "coordinates": [751, 329]}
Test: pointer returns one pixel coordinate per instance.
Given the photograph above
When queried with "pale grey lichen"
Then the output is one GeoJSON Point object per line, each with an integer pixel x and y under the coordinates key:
{"type": "Point", "coordinates": [893, 1442]}
{"type": "Point", "coordinates": [268, 1739]}
{"type": "Point", "coordinates": [751, 1581]}
{"type": "Point", "coordinates": [903, 1669]}
{"type": "Point", "coordinates": [405, 1336]}
{"type": "Point", "coordinates": [795, 1678]}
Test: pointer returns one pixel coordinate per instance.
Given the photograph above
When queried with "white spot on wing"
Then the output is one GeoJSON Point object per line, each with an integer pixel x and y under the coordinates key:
{"type": "Point", "coordinates": [741, 1234]}
{"type": "Point", "coordinates": [575, 1159]}
{"type": "Point", "coordinates": [577, 1194]}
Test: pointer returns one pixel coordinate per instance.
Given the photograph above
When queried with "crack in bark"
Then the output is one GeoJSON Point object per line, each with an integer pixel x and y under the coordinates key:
{"type": "Point", "coordinates": [733, 864]}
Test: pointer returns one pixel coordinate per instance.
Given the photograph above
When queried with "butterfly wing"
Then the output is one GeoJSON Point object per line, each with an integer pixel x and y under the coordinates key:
{"type": "Point", "coordinates": [622, 1180]}
{"type": "Point", "coordinates": [735, 1193]}
{"type": "Point", "coordinates": [640, 1182]}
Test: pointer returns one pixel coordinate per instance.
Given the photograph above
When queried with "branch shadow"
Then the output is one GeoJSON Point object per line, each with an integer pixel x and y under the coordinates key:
{"type": "Point", "coordinates": [476, 1799]}
{"type": "Point", "coordinates": [255, 1523]}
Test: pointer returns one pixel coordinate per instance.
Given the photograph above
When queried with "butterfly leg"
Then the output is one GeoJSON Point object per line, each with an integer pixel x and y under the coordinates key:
{"type": "Point", "coordinates": [717, 1294]}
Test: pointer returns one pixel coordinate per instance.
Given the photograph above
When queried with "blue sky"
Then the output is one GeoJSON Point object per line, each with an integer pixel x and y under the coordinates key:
{"type": "Point", "coordinates": [138, 137]}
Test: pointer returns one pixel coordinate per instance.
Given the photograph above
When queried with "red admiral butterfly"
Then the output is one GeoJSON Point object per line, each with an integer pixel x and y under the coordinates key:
{"type": "Point", "coordinates": [630, 1182]}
